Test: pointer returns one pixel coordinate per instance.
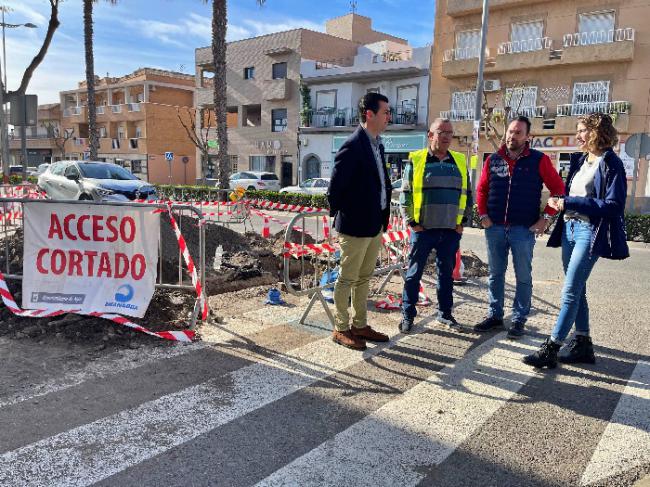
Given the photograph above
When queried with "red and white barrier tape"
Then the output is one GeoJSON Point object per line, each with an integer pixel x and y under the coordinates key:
{"type": "Point", "coordinates": [393, 303]}
{"type": "Point", "coordinates": [196, 282]}
{"type": "Point", "coordinates": [297, 250]}
{"type": "Point", "coordinates": [396, 236]}
{"type": "Point", "coordinates": [8, 299]}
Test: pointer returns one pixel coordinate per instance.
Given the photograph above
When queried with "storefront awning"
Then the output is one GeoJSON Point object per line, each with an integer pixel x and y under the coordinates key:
{"type": "Point", "coordinates": [392, 142]}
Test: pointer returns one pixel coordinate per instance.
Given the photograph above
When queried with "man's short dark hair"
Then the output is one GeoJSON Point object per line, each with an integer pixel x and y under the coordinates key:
{"type": "Point", "coordinates": [526, 120]}
{"type": "Point", "coordinates": [370, 101]}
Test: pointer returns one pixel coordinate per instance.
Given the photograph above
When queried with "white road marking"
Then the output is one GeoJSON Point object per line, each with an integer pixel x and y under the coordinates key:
{"type": "Point", "coordinates": [97, 450]}
{"type": "Point", "coordinates": [625, 443]}
{"type": "Point", "coordinates": [421, 428]}
{"type": "Point", "coordinates": [126, 360]}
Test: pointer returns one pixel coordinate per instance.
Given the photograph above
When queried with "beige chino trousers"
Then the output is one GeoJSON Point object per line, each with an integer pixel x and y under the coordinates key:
{"type": "Point", "coordinates": [358, 261]}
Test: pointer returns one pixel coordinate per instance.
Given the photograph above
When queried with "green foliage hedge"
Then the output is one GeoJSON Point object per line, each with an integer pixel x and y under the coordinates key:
{"type": "Point", "coordinates": [311, 200]}
{"type": "Point", "coordinates": [638, 227]}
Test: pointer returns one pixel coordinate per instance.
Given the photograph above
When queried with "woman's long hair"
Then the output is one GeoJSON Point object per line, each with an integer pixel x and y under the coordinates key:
{"type": "Point", "coordinates": [602, 134]}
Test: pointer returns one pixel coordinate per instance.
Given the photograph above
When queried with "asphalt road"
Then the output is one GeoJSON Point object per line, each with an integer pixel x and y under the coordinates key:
{"type": "Point", "coordinates": [263, 400]}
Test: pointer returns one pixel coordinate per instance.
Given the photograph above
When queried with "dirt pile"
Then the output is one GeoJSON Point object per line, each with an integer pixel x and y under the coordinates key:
{"type": "Point", "coordinates": [247, 259]}
{"type": "Point", "coordinates": [474, 266]}
{"type": "Point", "coordinates": [169, 310]}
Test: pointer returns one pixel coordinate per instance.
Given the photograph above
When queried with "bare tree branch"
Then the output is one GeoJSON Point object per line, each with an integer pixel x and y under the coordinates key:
{"type": "Point", "coordinates": [51, 27]}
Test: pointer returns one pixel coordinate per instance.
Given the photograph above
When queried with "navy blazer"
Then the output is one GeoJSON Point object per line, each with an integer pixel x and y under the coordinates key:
{"type": "Point", "coordinates": [605, 207]}
{"type": "Point", "coordinates": [354, 193]}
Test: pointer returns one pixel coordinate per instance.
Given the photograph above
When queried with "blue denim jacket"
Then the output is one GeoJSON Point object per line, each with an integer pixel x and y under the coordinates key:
{"type": "Point", "coordinates": [605, 207]}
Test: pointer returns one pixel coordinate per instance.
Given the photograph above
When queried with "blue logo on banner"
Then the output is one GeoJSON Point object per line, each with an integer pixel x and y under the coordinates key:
{"type": "Point", "coordinates": [124, 293]}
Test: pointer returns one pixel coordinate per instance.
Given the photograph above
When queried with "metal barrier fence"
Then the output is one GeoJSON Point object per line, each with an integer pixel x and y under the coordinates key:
{"type": "Point", "coordinates": [171, 275]}
{"type": "Point", "coordinates": [306, 262]}
{"type": "Point", "coordinates": [316, 257]}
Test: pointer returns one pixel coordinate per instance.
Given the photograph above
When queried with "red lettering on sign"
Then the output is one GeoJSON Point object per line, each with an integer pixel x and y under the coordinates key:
{"type": "Point", "coordinates": [55, 227]}
{"type": "Point", "coordinates": [57, 267]}
{"type": "Point", "coordinates": [110, 226]}
{"type": "Point", "coordinates": [91, 254]}
{"type": "Point", "coordinates": [121, 265]}
{"type": "Point", "coordinates": [75, 263]}
{"type": "Point", "coordinates": [39, 260]}
{"type": "Point", "coordinates": [104, 265]}
{"type": "Point", "coordinates": [66, 227]}
{"type": "Point", "coordinates": [123, 224]}
{"type": "Point", "coordinates": [138, 259]}
{"type": "Point", "coordinates": [97, 227]}
{"type": "Point", "coordinates": [80, 227]}
{"type": "Point", "coordinates": [117, 266]}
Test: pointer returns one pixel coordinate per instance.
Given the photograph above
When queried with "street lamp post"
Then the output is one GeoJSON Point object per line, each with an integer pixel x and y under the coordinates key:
{"type": "Point", "coordinates": [4, 125]}
{"type": "Point", "coordinates": [478, 112]}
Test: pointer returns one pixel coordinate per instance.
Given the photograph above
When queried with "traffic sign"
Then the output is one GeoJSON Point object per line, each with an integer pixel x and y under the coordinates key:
{"type": "Point", "coordinates": [169, 156]}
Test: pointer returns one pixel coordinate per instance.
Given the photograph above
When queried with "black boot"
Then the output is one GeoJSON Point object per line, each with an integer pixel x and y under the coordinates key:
{"type": "Point", "coordinates": [579, 351]}
{"type": "Point", "coordinates": [546, 356]}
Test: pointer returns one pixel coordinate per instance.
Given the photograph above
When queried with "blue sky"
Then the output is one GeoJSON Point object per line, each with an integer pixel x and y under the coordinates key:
{"type": "Point", "coordinates": [164, 33]}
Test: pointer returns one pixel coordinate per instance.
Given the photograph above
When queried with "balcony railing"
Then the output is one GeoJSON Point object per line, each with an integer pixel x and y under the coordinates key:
{"type": "Point", "coordinates": [116, 108]}
{"type": "Point", "coordinates": [575, 109]}
{"type": "Point", "coordinates": [407, 114]}
{"type": "Point", "coordinates": [461, 53]}
{"type": "Point", "coordinates": [530, 112]}
{"type": "Point", "coordinates": [348, 117]}
{"type": "Point", "coordinates": [72, 111]}
{"type": "Point", "coordinates": [526, 45]}
{"type": "Point", "coordinates": [328, 117]}
{"type": "Point", "coordinates": [134, 107]}
{"type": "Point", "coordinates": [458, 115]}
{"type": "Point", "coordinates": [598, 37]}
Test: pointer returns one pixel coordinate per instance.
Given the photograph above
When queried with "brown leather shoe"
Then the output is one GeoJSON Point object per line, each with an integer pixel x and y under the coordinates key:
{"type": "Point", "coordinates": [347, 339]}
{"type": "Point", "coordinates": [369, 334]}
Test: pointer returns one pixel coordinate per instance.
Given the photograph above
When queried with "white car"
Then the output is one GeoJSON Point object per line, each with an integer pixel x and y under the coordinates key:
{"type": "Point", "coordinates": [309, 186]}
{"type": "Point", "coordinates": [255, 180]}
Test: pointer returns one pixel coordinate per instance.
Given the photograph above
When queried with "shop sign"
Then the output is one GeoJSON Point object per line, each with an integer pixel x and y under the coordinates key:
{"type": "Point", "coordinates": [392, 143]}
{"type": "Point", "coordinates": [554, 142]}
{"type": "Point", "coordinates": [270, 146]}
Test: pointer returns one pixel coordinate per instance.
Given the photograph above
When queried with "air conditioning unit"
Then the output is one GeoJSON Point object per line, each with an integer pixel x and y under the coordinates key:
{"type": "Point", "coordinates": [491, 85]}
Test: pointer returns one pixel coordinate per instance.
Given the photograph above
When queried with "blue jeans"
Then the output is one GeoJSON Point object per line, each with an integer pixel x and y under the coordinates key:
{"type": "Point", "coordinates": [446, 243]}
{"type": "Point", "coordinates": [502, 239]}
{"type": "Point", "coordinates": [576, 241]}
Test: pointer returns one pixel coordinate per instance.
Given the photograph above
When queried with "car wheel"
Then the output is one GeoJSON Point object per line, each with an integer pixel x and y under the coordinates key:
{"type": "Point", "coordinates": [85, 197]}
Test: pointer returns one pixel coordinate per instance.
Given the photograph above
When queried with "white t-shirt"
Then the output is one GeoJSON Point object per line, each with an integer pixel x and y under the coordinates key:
{"type": "Point", "coordinates": [582, 184]}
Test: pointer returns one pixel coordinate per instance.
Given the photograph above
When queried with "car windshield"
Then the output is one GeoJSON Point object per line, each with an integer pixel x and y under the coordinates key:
{"type": "Point", "coordinates": [105, 171]}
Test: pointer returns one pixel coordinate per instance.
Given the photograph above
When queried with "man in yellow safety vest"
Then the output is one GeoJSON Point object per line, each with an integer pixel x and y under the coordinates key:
{"type": "Point", "coordinates": [436, 202]}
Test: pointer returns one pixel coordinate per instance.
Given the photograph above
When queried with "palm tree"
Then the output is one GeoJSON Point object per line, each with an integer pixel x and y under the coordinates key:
{"type": "Point", "coordinates": [219, 26]}
{"type": "Point", "coordinates": [90, 77]}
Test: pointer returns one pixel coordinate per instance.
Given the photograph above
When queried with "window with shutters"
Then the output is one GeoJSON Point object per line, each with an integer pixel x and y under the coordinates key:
{"type": "Point", "coordinates": [596, 27]}
{"type": "Point", "coordinates": [468, 44]}
{"type": "Point", "coordinates": [527, 36]}
{"type": "Point", "coordinates": [522, 100]}
{"type": "Point", "coordinates": [588, 97]}
{"type": "Point", "coordinates": [462, 105]}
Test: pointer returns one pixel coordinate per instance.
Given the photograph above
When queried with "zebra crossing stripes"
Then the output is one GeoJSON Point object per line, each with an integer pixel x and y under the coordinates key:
{"type": "Point", "coordinates": [625, 443]}
{"type": "Point", "coordinates": [421, 428]}
{"type": "Point", "coordinates": [94, 451]}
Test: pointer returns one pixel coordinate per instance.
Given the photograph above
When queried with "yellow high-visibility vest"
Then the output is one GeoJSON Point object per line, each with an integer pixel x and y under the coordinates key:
{"type": "Point", "coordinates": [419, 160]}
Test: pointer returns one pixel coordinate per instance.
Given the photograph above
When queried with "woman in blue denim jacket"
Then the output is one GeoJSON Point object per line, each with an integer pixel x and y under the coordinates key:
{"type": "Point", "coordinates": [590, 225]}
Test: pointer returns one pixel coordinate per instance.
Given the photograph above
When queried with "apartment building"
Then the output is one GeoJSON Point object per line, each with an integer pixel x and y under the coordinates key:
{"type": "Point", "coordinates": [551, 61]}
{"type": "Point", "coordinates": [263, 97]}
{"type": "Point", "coordinates": [394, 69]}
{"type": "Point", "coordinates": [137, 120]}
{"type": "Point", "coordinates": [43, 141]}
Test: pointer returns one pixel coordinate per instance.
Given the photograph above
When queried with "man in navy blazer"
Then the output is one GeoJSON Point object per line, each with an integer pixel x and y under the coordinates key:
{"type": "Point", "coordinates": [359, 198]}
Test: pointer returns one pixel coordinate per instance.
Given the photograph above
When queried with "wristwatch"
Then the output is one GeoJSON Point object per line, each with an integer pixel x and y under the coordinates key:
{"type": "Point", "coordinates": [547, 217]}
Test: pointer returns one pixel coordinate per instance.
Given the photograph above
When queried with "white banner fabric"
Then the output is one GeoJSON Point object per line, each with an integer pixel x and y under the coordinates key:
{"type": "Point", "coordinates": [91, 258]}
